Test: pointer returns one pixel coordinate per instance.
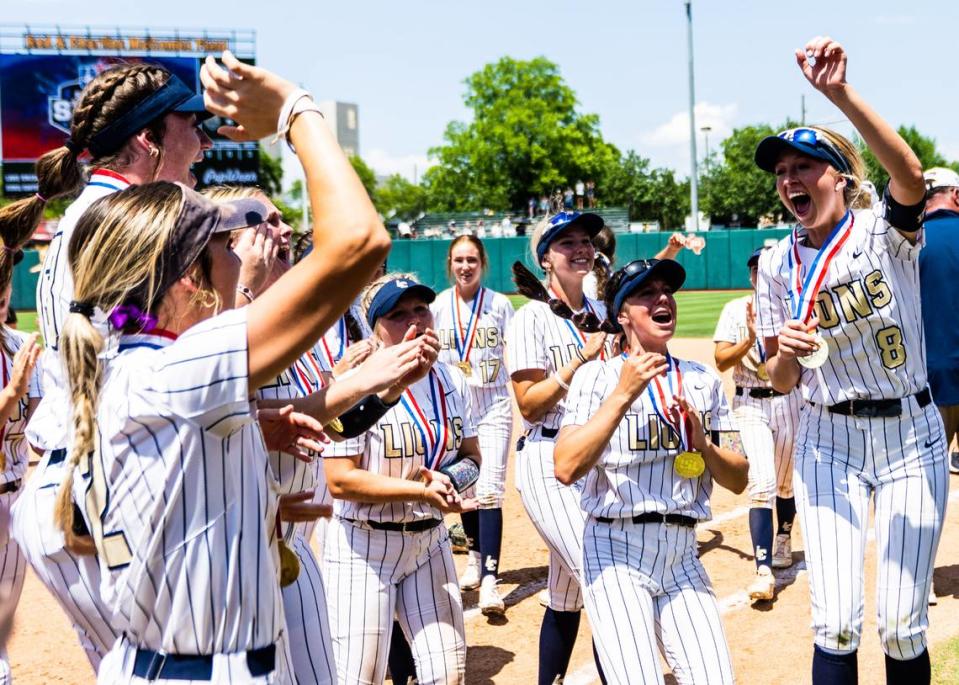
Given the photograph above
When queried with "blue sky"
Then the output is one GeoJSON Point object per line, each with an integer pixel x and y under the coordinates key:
{"type": "Point", "coordinates": [404, 62]}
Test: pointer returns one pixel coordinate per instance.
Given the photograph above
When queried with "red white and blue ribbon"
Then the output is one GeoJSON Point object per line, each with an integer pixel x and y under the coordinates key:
{"type": "Point", "coordinates": [435, 434]}
{"type": "Point", "coordinates": [577, 334]}
{"type": "Point", "coordinates": [104, 178]}
{"type": "Point", "coordinates": [463, 338]}
{"type": "Point", "coordinates": [803, 290]}
{"type": "Point", "coordinates": [307, 375]}
{"type": "Point", "coordinates": [340, 331]}
{"type": "Point", "coordinates": [661, 403]}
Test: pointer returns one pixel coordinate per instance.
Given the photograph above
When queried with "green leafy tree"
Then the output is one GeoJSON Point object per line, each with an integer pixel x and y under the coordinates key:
{"type": "Point", "coordinates": [526, 138]}
{"type": "Point", "coordinates": [397, 197]}
{"type": "Point", "coordinates": [366, 174]}
{"type": "Point", "coordinates": [650, 194]}
{"type": "Point", "coordinates": [271, 174]}
{"type": "Point", "coordinates": [924, 147]}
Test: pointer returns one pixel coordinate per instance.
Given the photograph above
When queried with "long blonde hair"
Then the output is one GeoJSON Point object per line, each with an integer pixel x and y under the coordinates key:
{"type": "Point", "coordinates": [854, 194]}
{"type": "Point", "coordinates": [115, 258]}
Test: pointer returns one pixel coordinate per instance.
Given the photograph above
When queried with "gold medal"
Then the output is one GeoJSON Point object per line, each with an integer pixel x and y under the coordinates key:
{"type": "Point", "coordinates": [335, 425]}
{"type": "Point", "coordinates": [289, 564]}
{"type": "Point", "coordinates": [690, 465]}
{"type": "Point", "coordinates": [466, 368]}
{"type": "Point", "coordinates": [817, 357]}
{"type": "Point", "coordinates": [761, 372]}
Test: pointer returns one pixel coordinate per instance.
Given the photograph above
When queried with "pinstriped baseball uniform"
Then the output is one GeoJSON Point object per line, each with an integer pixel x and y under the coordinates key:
{"type": "Point", "coordinates": [304, 600]}
{"type": "Point", "coordinates": [870, 315]}
{"type": "Point", "coordinates": [16, 454]}
{"type": "Point", "coordinates": [538, 339]}
{"type": "Point", "coordinates": [643, 582]}
{"type": "Point", "coordinates": [334, 342]}
{"type": "Point", "coordinates": [767, 425]}
{"type": "Point", "coordinates": [73, 579]}
{"type": "Point", "coordinates": [373, 574]}
{"type": "Point", "coordinates": [181, 502]}
{"type": "Point", "coordinates": [488, 381]}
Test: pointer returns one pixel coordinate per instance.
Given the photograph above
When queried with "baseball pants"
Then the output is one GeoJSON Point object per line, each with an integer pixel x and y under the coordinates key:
{"type": "Point", "coordinates": [13, 568]}
{"type": "Point", "coordinates": [373, 576]}
{"type": "Point", "coordinates": [767, 427]}
{"type": "Point", "coordinates": [307, 621]}
{"type": "Point", "coordinates": [644, 586]}
{"type": "Point", "coordinates": [72, 579]}
{"type": "Point", "coordinates": [493, 409]}
{"type": "Point", "coordinates": [556, 513]}
{"type": "Point", "coordinates": [843, 462]}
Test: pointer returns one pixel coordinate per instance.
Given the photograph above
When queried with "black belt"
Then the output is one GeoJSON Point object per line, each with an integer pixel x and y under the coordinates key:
{"type": "Point", "coordinates": [548, 433]}
{"type": "Point", "coordinates": [151, 665]}
{"type": "Point", "coordinates": [12, 486]}
{"type": "Point", "coordinates": [759, 393]}
{"type": "Point", "coordinates": [656, 517]}
{"type": "Point", "coordinates": [411, 527]}
{"type": "Point", "coordinates": [878, 408]}
{"type": "Point", "coordinates": [57, 456]}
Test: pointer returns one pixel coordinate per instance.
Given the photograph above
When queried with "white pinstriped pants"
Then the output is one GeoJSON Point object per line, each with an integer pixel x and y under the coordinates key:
{"type": "Point", "coordinates": [843, 462]}
{"type": "Point", "coordinates": [645, 586]}
{"type": "Point", "coordinates": [372, 576]}
{"type": "Point", "coordinates": [556, 513]}
{"type": "Point", "coordinates": [13, 568]}
{"type": "Point", "coordinates": [493, 409]}
{"type": "Point", "coordinates": [767, 427]}
{"type": "Point", "coordinates": [307, 621]}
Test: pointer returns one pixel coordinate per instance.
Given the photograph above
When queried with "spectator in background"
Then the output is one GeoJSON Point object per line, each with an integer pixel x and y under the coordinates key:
{"type": "Point", "coordinates": [531, 206]}
{"type": "Point", "coordinates": [507, 226]}
{"type": "Point", "coordinates": [938, 266]}
{"type": "Point", "coordinates": [580, 193]}
{"type": "Point", "coordinates": [591, 193]}
{"type": "Point", "coordinates": [568, 198]}
{"type": "Point", "coordinates": [544, 204]}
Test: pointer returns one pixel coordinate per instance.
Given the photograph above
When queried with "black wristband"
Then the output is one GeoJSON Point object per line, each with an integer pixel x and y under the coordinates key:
{"type": "Point", "coordinates": [903, 217]}
{"type": "Point", "coordinates": [361, 416]}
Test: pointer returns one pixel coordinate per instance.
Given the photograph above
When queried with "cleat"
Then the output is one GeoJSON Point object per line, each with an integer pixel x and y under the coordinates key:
{"type": "Point", "coordinates": [783, 556]}
{"type": "Point", "coordinates": [458, 540]}
{"type": "Point", "coordinates": [543, 597]}
{"type": "Point", "coordinates": [470, 579]}
{"type": "Point", "coordinates": [490, 603]}
{"type": "Point", "coordinates": [763, 586]}
{"type": "Point", "coordinates": [954, 462]}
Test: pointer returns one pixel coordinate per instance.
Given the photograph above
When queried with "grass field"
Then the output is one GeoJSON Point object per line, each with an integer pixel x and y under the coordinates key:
{"type": "Point", "coordinates": [698, 310]}
{"type": "Point", "coordinates": [27, 321]}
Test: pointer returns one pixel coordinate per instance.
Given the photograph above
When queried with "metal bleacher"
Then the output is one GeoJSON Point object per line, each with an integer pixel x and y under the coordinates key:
{"type": "Point", "coordinates": [617, 218]}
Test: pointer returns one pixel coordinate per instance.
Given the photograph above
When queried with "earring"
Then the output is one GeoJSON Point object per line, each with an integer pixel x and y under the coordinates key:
{"type": "Point", "coordinates": [154, 151]}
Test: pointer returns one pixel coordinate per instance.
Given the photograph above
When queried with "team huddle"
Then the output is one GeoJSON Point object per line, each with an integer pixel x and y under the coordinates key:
{"type": "Point", "coordinates": [248, 446]}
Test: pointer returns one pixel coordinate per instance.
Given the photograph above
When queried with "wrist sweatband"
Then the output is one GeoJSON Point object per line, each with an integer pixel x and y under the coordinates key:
{"type": "Point", "coordinates": [361, 416]}
{"type": "Point", "coordinates": [559, 381]}
{"type": "Point", "coordinates": [462, 473]}
{"type": "Point", "coordinates": [904, 217]}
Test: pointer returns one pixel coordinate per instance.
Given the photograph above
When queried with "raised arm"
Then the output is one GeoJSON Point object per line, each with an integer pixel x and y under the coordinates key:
{"type": "Point", "coordinates": [348, 238]}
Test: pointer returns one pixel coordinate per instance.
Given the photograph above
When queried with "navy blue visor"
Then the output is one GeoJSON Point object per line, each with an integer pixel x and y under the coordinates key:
{"type": "Point", "coordinates": [808, 141]}
{"type": "Point", "coordinates": [754, 257]}
{"type": "Point", "coordinates": [172, 96]}
{"type": "Point", "coordinates": [628, 279]}
{"type": "Point", "coordinates": [391, 292]}
{"type": "Point", "coordinates": [589, 222]}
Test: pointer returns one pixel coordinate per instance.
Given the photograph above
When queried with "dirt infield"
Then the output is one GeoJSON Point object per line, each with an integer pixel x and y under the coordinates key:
{"type": "Point", "coordinates": [770, 642]}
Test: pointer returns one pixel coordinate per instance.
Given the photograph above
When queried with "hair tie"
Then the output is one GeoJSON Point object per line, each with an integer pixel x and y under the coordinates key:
{"type": "Point", "coordinates": [84, 308]}
{"type": "Point", "coordinates": [124, 315]}
{"type": "Point", "coordinates": [73, 147]}
{"type": "Point", "coordinates": [40, 197]}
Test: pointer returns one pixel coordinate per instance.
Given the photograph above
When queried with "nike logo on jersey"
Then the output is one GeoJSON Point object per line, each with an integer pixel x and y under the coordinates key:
{"type": "Point", "coordinates": [857, 254]}
{"type": "Point", "coordinates": [930, 443]}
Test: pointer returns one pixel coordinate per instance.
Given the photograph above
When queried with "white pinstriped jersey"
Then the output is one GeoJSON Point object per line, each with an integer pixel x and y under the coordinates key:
{"type": "Point", "coordinates": [181, 500]}
{"type": "Point", "coordinates": [333, 344]}
{"type": "Point", "coordinates": [538, 339]}
{"type": "Point", "coordinates": [868, 308]}
{"type": "Point", "coordinates": [15, 448]}
{"type": "Point", "coordinates": [49, 425]}
{"type": "Point", "coordinates": [635, 472]}
{"type": "Point", "coordinates": [395, 447]}
{"type": "Point", "coordinates": [732, 328]}
{"type": "Point", "coordinates": [486, 351]}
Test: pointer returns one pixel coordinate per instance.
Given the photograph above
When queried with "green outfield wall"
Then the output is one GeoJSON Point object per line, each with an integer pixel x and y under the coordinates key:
{"type": "Point", "coordinates": [721, 266]}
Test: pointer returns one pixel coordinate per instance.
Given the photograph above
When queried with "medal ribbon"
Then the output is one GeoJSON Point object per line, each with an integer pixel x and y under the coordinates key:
{"type": "Point", "coordinates": [341, 331]}
{"type": "Point", "coordinates": [803, 291]}
{"type": "Point", "coordinates": [660, 404]}
{"type": "Point", "coordinates": [463, 339]}
{"type": "Point", "coordinates": [307, 375]}
{"type": "Point", "coordinates": [433, 441]}
{"type": "Point", "coordinates": [576, 333]}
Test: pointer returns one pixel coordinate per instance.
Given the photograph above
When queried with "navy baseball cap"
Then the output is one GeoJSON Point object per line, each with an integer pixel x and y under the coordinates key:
{"type": "Point", "coordinates": [589, 222]}
{"type": "Point", "coordinates": [391, 292]}
{"type": "Point", "coordinates": [754, 257]}
{"type": "Point", "coordinates": [172, 96]}
{"type": "Point", "coordinates": [808, 141]}
{"type": "Point", "coordinates": [628, 279]}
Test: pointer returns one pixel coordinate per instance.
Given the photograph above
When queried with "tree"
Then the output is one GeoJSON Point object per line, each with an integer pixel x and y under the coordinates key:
{"type": "Point", "coordinates": [924, 147]}
{"type": "Point", "coordinates": [366, 174]}
{"type": "Point", "coordinates": [271, 174]}
{"type": "Point", "coordinates": [736, 188]}
{"type": "Point", "coordinates": [526, 138]}
{"type": "Point", "coordinates": [650, 194]}
{"type": "Point", "coordinates": [398, 197]}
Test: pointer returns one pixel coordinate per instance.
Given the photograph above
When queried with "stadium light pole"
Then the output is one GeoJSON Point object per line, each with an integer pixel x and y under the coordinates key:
{"type": "Point", "coordinates": [694, 177]}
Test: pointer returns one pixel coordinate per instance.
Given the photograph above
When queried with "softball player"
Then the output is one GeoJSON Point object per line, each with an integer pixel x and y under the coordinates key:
{"type": "Point", "coordinates": [634, 431]}
{"type": "Point", "coordinates": [546, 349]}
{"type": "Point", "coordinates": [387, 550]}
{"type": "Point", "coordinates": [471, 321]}
{"type": "Point", "coordinates": [180, 498]}
{"type": "Point", "coordinates": [767, 423]}
{"type": "Point", "coordinates": [110, 114]}
{"type": "Point", "coordinates": [839, 311]}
